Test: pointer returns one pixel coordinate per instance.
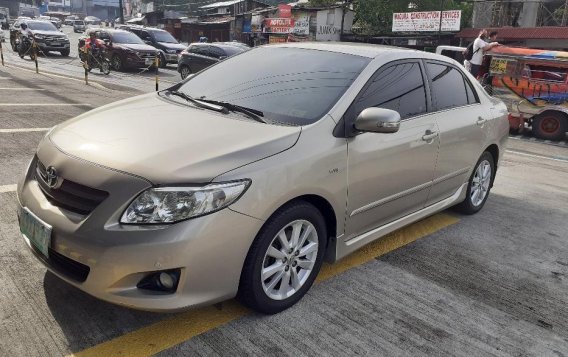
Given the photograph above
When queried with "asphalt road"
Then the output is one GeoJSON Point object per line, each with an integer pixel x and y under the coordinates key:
{"type": "Point", "coordinates": [53, 62]}
{"type": "Point", "coordinates": [492, 284]}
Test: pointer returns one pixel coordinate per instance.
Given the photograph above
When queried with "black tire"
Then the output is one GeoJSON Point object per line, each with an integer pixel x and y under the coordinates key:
{"type": "Point", "coordinates": [184, 71]}
{"type": "Point", "coordinates": [468, 206]}
{"type": "Point", "coordinates": [162, 61]}
{"type": "Point", "coordinates": [116, 63]}
{"type": "Point", "coordinates": [251, 292]}
{"type": "Point", "coordinates": [65, 53]}
{"type": "Point", "coordinates": [14, 47]}
{"type": "Point", "coordinates": [550, 125]}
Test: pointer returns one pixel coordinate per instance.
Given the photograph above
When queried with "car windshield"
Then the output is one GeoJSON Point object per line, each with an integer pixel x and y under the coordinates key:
{"type": "Point", "coordinates": [126, 37]}
{"type": "Point", "coordinates": [79, 23]}
{"type": "Point", "coordinates": [293, 86]}
{"type": "Point", "coordinates": [163, 36]}
{"type": "Point", "coordinates": [41, 26]}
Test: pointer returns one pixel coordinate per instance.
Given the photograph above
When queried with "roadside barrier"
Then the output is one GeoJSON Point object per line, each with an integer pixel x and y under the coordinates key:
{"type": "Point", "coordinates": [35, 52]}
{"type": "Point", "coordinates": [2, 54]}
{"type": "Point", "coordinates": [156, 65]}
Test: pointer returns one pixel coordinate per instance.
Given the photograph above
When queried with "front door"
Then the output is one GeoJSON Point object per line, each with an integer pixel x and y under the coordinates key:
{"type": "Point", "coordinates": [390, 175]}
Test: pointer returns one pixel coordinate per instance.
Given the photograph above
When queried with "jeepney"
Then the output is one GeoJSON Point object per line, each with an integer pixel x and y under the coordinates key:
{"type": "Point", "coordinates": [534, 85]}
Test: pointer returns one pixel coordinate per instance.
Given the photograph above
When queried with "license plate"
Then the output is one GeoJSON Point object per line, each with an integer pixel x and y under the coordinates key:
{"type": "Point", "coordinates": [56, 44]}
{"type": "Point", "coordinates": [149, 61]}
{"type": "Point", "coordinates": [37, 231]}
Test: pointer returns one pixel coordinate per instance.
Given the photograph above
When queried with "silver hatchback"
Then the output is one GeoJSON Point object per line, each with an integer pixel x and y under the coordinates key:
{"type": "Point", "coordinates": [242, 179]}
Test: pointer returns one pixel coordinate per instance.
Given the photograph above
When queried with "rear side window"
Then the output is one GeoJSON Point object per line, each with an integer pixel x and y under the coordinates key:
{"type": "Point", "coordinates": [448, 87]}
{"type": "Point", "coordinates": [216, 52]}
{"type": "Point", "coordinates": [398, 87]}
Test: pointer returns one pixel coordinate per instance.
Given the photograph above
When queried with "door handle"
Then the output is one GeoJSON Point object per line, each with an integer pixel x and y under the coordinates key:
{"type": "Point", "coordinates": [429, 135]}
{"type": "Point", "coordinates": [480, 121]}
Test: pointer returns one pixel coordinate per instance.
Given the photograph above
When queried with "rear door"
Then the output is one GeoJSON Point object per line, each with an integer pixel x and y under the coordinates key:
{"type": "Point", "coordinates": [461, 119]}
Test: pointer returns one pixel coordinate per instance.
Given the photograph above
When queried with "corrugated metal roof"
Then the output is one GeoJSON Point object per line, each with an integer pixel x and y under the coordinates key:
{"type": "Point", "coordinates": [520, 33]}
{"type": "Point", "coordinates": [220, 4]}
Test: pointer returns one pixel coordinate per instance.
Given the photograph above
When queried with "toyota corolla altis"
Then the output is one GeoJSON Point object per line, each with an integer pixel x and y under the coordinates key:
{"type": "Point", "coordinates": [242, 179]}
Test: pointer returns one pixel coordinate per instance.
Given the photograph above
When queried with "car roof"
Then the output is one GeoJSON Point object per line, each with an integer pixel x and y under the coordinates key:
{"type": "Point", "coordinates": [352, 48]}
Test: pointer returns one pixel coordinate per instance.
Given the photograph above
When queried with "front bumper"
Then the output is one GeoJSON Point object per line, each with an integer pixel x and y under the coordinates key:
{"type": "Point", "coordinates": [171, 58]}
{"type": "Point", "coordinates": [210, 250]}
{"type": "Point", "coordinates": [45, 46]}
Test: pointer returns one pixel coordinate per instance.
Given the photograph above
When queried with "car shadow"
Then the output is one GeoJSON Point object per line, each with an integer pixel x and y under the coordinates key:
{"type": "Point", "coordinates": [87, 321]}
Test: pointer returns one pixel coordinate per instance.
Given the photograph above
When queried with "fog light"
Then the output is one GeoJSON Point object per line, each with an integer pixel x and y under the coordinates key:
{"type": "Point", "coordinates": [165, 281]}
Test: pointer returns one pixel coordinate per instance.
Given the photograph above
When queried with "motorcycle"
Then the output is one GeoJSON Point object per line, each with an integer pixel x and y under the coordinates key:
{"type": "Point", "coordinates": [24, 46]}
{"type": "Point", "coordinates": [96, 58]}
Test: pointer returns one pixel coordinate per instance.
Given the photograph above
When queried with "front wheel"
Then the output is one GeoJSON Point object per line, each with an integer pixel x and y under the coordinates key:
{"type": "Point", "coordinates": [105, 67]}
{"type": "Point", "coordinates": [65, 53]}
{"type": "Point", "coordinates": [185, 71]}
{"type": "Point", "coordinates": [284, 259]}
{"type": "Point", "coordinates": [479, 185]}
{"type": "Point", "coordinates": [116, 63]}
{"type": "Point", "coordinates": [162, 61]}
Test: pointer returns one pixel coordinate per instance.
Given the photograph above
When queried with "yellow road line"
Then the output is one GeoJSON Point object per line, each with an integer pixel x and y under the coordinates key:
{"type": "Point", "coordinates": [165, 334]}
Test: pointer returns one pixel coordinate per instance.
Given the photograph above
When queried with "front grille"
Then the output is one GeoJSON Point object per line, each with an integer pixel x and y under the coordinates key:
{"type": "Point", "coordinates": [63, 265]}
{"type": "Point", "coordinates": [146, 55]}
{"type": "Point", "coordinates": [55, 38]}
{"type": "Point", "coordinates": [69, 195]}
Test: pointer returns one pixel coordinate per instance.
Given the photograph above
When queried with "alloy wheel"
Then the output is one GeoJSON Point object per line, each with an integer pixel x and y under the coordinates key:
{"type": "Point", "coordinates": [185, 71]}
{"type": "Point", "coordinates": [480, 183]}
{"type": "Point", "coordinates": [289, 260]}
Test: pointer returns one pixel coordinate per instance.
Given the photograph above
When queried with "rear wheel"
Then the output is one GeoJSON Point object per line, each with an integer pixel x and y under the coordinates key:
{"type": "Point", "coordinates": [185, 71]}
{"type": "Point", "coordinates": [284, 259]}
{"type": "Point", "coordinates": [479, 185]}
{"type": "Point", "coordinates": [550, 126]}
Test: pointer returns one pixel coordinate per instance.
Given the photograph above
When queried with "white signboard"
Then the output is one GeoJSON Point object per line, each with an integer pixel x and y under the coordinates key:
{"type": "Point", "coordinates": [301, 25]}
{"type": "Point", "coordinates": [426, 21]}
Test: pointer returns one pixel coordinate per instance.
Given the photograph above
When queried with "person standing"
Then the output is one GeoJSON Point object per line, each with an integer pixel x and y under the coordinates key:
{"type": "Point", "coordinates": [480, 46]}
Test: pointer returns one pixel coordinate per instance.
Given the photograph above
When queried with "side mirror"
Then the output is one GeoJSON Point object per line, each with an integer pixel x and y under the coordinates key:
{"type": "Point", "coordinates": [378, 120]}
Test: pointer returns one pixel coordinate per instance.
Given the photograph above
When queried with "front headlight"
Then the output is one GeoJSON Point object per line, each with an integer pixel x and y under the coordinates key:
{"type": "Point", "coordinates": [173, 204]}
{"type": "Point", "coordinates": [39, 37]}
{"type": "Point", "coordinates": [171, 51]}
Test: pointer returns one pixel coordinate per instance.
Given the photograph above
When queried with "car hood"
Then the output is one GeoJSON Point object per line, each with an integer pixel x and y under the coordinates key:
{"type": "Point", "coordinates": [173, 46]}
{"type": "Point", "coordinates": [168, 143]}
{"type": "Point", "coordinates": [136, 47]}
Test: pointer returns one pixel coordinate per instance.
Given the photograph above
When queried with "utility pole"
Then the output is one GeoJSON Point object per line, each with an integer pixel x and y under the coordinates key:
{"type": "Point", "coordinates": [121, 12]}
{"type": "Point", "coordinates": [440, 29]}
{"type": "Point", "coordinates": [564, 14]}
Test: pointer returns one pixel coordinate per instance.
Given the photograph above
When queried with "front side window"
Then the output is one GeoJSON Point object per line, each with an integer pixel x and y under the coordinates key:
{"type": "Point", "coordinates": [448, 86]}
{"type": "Point", "coordinates": [398, 87]}
{"type": "Point", "coordinates": [293, 86]}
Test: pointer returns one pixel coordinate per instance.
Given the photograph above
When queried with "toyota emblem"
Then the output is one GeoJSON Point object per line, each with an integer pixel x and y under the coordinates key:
{"type": "Point", "coordinates": [51, 178]}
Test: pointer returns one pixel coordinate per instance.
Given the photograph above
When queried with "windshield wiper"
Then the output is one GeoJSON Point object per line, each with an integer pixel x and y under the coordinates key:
{"type": "Point", "coordinates": [251, 113]}
{"type": "Point", "coordinates": [199, 103]}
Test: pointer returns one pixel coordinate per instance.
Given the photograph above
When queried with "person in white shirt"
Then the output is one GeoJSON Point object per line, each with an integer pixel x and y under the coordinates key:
{"type": "Point", "coordinates": [480, 46]}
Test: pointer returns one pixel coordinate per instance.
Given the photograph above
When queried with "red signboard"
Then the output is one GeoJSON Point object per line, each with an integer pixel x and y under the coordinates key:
{"type": "Point", "coordinates": [279, 22]}
{"type": "Point", "coordinates": [285, 10]}
{"type": "Point", "coordinates": [278, 25]}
